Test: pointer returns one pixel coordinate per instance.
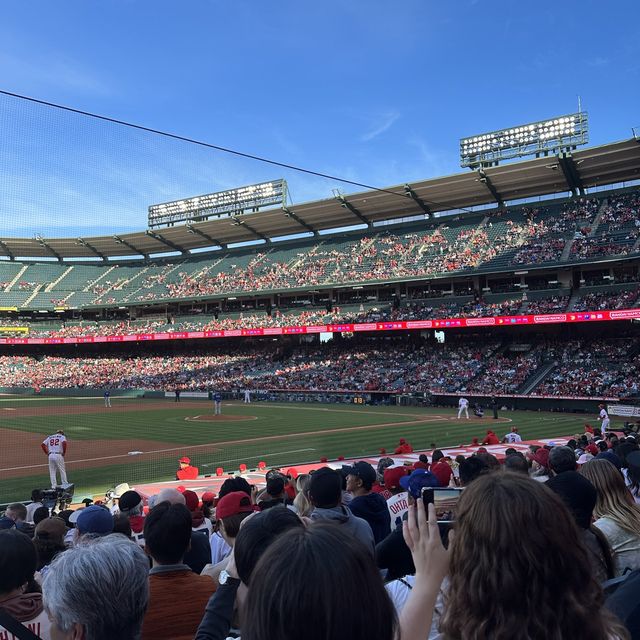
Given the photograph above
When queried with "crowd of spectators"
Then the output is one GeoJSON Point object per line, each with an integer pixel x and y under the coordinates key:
{"type": "Point", "coordinates": [441, 250]}
{"type": "Point", "coordinates": [593, 368]}
{"type": "Point", "coordinates": [605, 300]}
{"type": "Point", "coordinates": [251, 562]}
{"type": "Point", "coordinates": [581, 368]}
{"type": "Point", "coordinates": [381, 312]}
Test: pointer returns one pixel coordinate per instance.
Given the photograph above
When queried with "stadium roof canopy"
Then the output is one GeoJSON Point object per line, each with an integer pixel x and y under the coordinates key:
{"type": "Point", "coordinates": [592, 167]}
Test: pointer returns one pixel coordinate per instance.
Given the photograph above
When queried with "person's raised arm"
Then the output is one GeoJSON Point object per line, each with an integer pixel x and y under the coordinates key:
{"type": "Point", "coordinates": [431, 560]}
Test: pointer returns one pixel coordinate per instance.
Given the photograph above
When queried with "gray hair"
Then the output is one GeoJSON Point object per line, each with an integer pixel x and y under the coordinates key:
{"type": "Point", "coordinates": [138, 510]}
{"type": "Point", "coordinates": [172, 496]}
{"type": "Point", "coordinates": [102, 585]}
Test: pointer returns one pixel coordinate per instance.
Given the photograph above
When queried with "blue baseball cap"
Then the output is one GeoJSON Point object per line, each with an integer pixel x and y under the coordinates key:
{"type": "Point", "coordinates": [418, 479]}
{"type": "Point", "coordinates": [95, 519]}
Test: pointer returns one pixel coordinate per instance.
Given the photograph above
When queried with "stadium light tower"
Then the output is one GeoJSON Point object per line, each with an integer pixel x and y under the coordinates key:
{"type": "Point", "coordinates": [543, 138]}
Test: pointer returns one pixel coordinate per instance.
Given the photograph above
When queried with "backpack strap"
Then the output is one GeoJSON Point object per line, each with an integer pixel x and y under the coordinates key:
{"type": "Point", "coordinates": [15, 627]}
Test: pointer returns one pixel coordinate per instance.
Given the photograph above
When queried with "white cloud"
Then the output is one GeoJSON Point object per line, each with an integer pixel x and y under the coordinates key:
{"type": "Point", "coordinates": [384, 122]}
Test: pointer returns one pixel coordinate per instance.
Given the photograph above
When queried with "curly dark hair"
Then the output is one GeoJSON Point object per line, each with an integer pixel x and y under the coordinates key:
{"type": "Point", "coordinates": [519, 569]}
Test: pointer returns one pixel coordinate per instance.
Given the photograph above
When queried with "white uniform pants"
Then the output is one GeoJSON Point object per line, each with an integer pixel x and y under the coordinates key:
{"type": "Point", "coordinates": [247, 397]}
{"type": "Point", "coordinates": [605, 426]}
{"type": "Point", "coordinates": [218, 407]}
{"type": "Point", "coordinates": [107, 401]}
{"type": "Point", "coordinates": [466, 412]}
{"type": "Point", "coordinates": [56, 462]}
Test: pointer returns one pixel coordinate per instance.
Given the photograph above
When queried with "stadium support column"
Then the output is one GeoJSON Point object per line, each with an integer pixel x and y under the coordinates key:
{"type": "Point", "coordinates": [571, 173]}
{"type": "Point", "coordinates": [486, 181]}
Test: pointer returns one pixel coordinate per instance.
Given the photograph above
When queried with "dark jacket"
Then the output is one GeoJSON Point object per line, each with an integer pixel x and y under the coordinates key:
{"type": "Point", "coordinates": [373, 508]}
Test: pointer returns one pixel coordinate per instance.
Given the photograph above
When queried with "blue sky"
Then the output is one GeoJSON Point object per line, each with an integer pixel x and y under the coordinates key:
{"type": "Point", "coordinates": [369, 90]}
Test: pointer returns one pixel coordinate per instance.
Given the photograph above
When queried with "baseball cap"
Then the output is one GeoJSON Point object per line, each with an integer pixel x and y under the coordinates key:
{"type": "Point", "coordinates": [185, 460]}
{"type": "Point", "coordinates": [585, 457]}
{"type": "Point", "coordinates": [592, 449]}
{"type": "Point", "coordinates": [612, 457]}
{"type": "Point", "coordinates": [208, 496]}
{"type": "Point", "coordinates": [541, 456]}
{"type": "Point", "coordinates": [129, 500]}
{"type": "Point", "coordinates": [95, 519]}
{"type": "Point", "coordinates": [392, 476]}
{"type": "Point", "coordinates": [51, 529]}
{"type": "Point", "coordinates": [362, 470]}
{"type": "Point", "coordinates": [292, 472]}
{"type": "Point", "coordinates": [232, 504]}
{"type": "Point", "coordinates": [418, 479]}
{"type": "Point", "coordinates": [443, 472]}
{"type": "Point", "coordinates": [191, 499]}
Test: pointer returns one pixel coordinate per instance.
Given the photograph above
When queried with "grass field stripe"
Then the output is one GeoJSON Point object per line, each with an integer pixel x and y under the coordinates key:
{"type": "Point", "coordinates": [243, 441]}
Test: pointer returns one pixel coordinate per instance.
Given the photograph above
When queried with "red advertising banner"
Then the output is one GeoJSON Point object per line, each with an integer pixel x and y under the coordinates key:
{"type": "Point", "coordinates": [410, 325]}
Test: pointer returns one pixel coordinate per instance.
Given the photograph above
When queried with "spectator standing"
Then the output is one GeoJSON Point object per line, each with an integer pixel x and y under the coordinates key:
{"type": "Point", "coordinates": [36, 502]}
{"type": "Point", "coordinates": [131, 505]}
{"type": "Point", "coordinates": [49, 542]}
{"type": "Point", "coordinates": [199, 553]}
{"type": "Point", "coordinates": [20, 597]}
{"type": "Point", "coordinates": [561, 460]}
{"type": "Point", "coordinates": [232, 509]}
{"type": "Point", "coordinates": [398, 502]}
{"type": "Point", "coordinates": [366, 504]}
{"type": "Point", "coordinates": [556, 594]}
{"type": "Point", "coordinates": [256, 535]}
{"type": "Point", "coordinates": [275, 494]}
{"type": "Point", "coordinates": [199, 523]}
{"type": "Point", "coordinates": [618, 516]}
{"type": "Point", "coordinates": [98, 591]}
{"type": "Point", "coordinates": [18, 513]}
{"type": "Point", "coordinates": [177, 596]}
{"type": "Point", "coordinates": [313, 609]}
{"type": "Point", "coordinates": [325, 494]}
{"type": "Point", "coordinates": [580, 496]}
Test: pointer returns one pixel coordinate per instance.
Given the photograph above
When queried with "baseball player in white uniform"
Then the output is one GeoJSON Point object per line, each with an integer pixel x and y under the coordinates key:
{"type": "Point", "coordinates": [604, 416]}
{"type": "Point", "coordinates": [247, 396]}
{"type": "Point", "coordinates": [513, 437]}
{"type": "Point", "coordinates": [55, 446]}
{"type": "Point", "coordinates": [463, 405]}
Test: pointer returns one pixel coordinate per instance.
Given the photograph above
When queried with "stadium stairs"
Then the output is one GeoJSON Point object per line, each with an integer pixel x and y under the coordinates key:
{"type": "Point", "coordinates": [536, 378]}
{"type": "Point", "coordinates": [596, 221]}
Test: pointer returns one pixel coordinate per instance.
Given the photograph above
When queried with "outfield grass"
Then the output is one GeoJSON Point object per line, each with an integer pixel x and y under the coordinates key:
{"type": "Point", "coordinates": [311, 431]}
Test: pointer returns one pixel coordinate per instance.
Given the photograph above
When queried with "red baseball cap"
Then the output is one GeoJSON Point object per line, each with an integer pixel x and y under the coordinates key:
{"type": "Point", "coordinates": [232, 504]}
{"type": "Point", "coordinates": [191, 499]}
{"type": "Point", "coordinates": [392, 476]}
{"type": "Point", "coordinates": [208, 496]}
{"type": "Point", "coordinates": [442, 471]}
{"type": "Point", "coordinates": [185, 460]}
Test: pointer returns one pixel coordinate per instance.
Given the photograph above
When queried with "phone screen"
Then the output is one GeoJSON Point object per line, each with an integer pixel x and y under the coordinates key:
{"type": "Point", "coordinates": [444, 500]}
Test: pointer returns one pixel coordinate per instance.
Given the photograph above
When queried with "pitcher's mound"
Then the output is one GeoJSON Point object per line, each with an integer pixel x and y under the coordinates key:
{"type": "Point", "coordinates": [221, 418]}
